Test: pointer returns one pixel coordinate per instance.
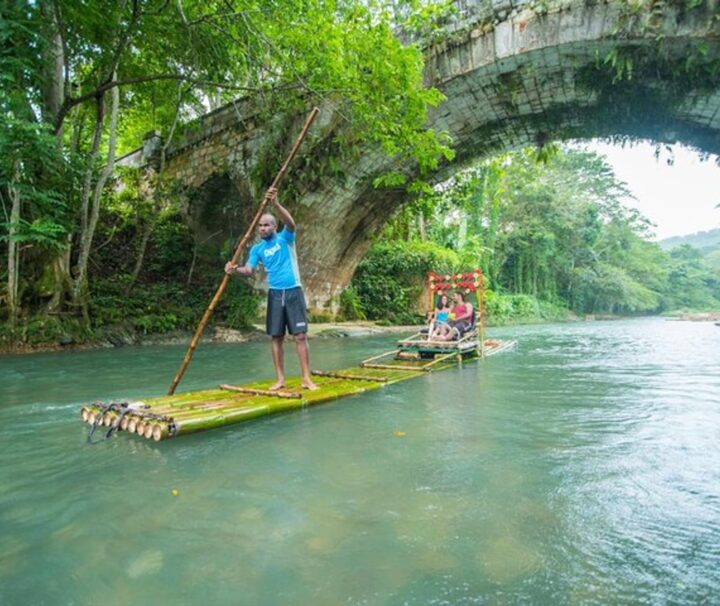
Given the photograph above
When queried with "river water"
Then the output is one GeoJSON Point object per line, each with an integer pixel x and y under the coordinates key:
{"type": "Point", "coordinates": [584, 468]}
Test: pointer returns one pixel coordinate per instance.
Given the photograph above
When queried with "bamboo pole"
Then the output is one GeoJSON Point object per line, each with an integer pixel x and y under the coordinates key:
{"type": "Point", "coordinates": [161, 431]}
{"type": "Point", "coordinates": [219, 420]}
{"type": "Point", "coordinates": [440, 359]}
{"type": "Point", "coordinates": [421, 342]}
{"type": "Point", "coordinates": [377, 357]}
{"type": "Point", "coordinates": [262, 392]}
{"type": "Point", "coordinates": [394, 367]}
{"type": "Point", "coordinates": [347, 375]}
{"type": "Point", "coordinates": [238, 251]}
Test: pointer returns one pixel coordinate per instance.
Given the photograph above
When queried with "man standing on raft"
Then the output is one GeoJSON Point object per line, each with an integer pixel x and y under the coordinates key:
{"type": "Point", "coordinates": [286, 301]}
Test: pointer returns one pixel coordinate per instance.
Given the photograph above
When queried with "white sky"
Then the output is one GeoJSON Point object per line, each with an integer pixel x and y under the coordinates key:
{"type": "Point", "coordinates": [679, 198]}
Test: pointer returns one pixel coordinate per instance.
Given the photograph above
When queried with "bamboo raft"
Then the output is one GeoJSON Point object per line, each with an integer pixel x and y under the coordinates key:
{"type": "Point", "coordinates": [167, 417]}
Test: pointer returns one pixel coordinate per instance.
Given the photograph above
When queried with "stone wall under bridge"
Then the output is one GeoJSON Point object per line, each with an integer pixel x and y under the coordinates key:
{"type": "Point", "coordinates": [514, 74]}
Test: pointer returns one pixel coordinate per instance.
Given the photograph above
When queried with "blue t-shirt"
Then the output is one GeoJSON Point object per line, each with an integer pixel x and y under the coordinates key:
{"type": "Point", "coordinates": [279, 259]}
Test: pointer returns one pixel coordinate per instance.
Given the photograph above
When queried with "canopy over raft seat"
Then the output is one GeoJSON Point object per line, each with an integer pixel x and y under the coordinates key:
{"type": "Point", "coordinates": [431, 352]}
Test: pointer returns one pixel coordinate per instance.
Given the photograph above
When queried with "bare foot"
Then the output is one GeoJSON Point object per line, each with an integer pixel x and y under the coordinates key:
{"type": "Point", "coordinates": [308, 384]}
{"type": "Point", "coordinates": [277, 387]}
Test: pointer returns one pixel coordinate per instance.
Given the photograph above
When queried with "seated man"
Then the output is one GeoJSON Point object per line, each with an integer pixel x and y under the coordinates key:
{"type": "Point", "coordinates": [461, 319]}
{"type": "Point", "coordinates": [439, 317]}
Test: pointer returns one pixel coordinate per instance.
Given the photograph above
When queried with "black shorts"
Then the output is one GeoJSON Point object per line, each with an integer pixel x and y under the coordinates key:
{"type": "Point", "coordinates": [286, 309]}
{"type": "Point", "coordinates": [461, 326]}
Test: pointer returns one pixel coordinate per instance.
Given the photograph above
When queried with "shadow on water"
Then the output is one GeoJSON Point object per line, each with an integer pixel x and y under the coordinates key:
{"type": "Point", "coordinates": [582, 469]}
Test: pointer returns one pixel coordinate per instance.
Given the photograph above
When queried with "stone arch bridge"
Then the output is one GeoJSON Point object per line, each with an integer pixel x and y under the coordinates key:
{"type": "Point", "coordinates": [514, 73]}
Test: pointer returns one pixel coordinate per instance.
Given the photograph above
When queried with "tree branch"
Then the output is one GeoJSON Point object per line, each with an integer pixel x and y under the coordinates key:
{"type": "Point", "coordinates": [124, 41]}
{"type": "Point", "coordinates": [71, 102]}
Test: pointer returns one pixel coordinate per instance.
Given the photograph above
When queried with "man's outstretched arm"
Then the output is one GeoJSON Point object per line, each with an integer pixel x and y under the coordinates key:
{"type": "Point", "coordinates": [282, 212]}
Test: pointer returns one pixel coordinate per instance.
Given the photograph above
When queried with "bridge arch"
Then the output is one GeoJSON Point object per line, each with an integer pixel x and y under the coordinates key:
{"type": "Point", "coordinates": [514, 74]}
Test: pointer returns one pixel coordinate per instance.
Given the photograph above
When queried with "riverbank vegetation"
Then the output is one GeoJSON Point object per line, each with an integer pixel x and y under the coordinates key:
{"type": "Point", "coordinates": [553, 236]}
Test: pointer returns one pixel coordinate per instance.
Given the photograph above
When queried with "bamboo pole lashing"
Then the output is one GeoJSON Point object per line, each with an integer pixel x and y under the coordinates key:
{"type": "Point", "coordinates": [238, 250]}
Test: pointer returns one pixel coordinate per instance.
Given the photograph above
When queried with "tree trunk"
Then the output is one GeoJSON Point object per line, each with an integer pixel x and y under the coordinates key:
{"type": "Point", "coordinates": [13, 257]}
{"type": "Point", "coordinates": [147, 231]}
{"type": "Point", "coordinates": [462, 231]}
{"type": "Point", "coordinates": [54, 77]}
{"type": "Point", "coordinates": [92, 214]}
{"type": "Point", "coordinates": [192, 263]}
{"type": "Point", "coordinates": [60, 268]}
{"type": "Point", "coordinates": [90, 169]}
{"type": "Point", "coordinates": [421, 227]}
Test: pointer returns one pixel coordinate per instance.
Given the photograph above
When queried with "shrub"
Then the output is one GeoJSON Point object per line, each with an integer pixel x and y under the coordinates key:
{"type": "Point", "coordinates": [240, 305]}
{"type": "Point", "coordinates": [351, 305]}
{"type": "Point", "coordinates": [390, 279]}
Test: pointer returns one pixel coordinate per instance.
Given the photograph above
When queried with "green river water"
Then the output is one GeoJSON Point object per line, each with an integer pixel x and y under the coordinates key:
{"type": "Point", "coordinates": [584, 468]}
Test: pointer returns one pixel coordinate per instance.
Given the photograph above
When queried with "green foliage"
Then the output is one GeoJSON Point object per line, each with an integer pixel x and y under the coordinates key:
{"type": "Point", "coordinates": [172, 244]}
{"type": "Point", "coordinates": [240, 306]}
{"type": "Point", "coordinates": [174, 62]}
{"type": "Point", "coordinates": [158, 323]}
{"type": "Point", "coordinates": [390, 279]}
{"type": "Point", "coordinates": [351, 305]}
{"type": "Point", "coordinates": [155, 307]}
{"type": "Point", "coordinates": [692, 284]}
{"type": "Point", "coordinates": [32, 167]}
{"type": "Point", "coordinates": [43, 330]}
{"type": "Point", "coordinates": [501, 309]}
{"type": "Point", "coordinates": [550, 233]}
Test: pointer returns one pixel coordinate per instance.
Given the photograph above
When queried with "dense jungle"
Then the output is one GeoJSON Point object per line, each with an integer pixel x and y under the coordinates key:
{"type": "Point", "coordinates": [96, 252]}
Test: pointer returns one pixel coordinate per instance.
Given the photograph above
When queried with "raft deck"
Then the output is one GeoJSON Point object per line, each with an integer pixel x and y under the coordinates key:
{"type": "Point", "coordinates": [167, 417]}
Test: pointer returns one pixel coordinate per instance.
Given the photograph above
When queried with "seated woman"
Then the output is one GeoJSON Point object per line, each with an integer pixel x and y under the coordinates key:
{"type": "Point", "coordinates": [460, 319]}
{"type": "Point", "coordinates": [440, 316]}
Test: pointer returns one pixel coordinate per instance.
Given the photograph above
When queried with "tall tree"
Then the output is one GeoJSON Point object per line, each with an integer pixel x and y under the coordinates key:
{"type": "Point", "coordinates": [97, 74]}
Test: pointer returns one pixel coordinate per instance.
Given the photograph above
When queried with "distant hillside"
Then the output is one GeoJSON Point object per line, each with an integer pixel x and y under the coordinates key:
{"type": "Point", "coordinates": [701, 240]}
{"type": "Point", "coordinates": [707, 242]}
